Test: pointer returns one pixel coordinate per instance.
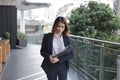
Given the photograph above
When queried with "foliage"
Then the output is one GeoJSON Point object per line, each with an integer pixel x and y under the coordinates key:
{"type": "Point", "coordinates": [114, 38]}
{"type": "Point", "coordinates": [6, 35]}
{"type": "Point", "coordinates": [21, 36]}
{"type": "Point", "coordinates": [96, 20]}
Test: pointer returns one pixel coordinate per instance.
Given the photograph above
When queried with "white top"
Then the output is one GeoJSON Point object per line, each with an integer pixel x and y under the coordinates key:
{"type": "Point", "coordinates": [58, 44]}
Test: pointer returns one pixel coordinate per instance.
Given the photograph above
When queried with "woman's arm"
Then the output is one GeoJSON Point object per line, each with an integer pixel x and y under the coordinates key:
{"type": "Point", "coordinates": [44, 47]}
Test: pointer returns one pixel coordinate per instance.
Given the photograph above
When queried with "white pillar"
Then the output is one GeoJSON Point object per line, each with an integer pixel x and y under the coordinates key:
{"type": "Point", "coordinates": [118, 67]}
{"type": "Point", "coordinates": [22, 22]}
{"type": "Point", "coordinates": [118, 7]}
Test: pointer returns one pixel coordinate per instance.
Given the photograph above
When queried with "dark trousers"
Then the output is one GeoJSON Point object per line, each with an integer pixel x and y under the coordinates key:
{"type": "Point", "coordinates": [53, 74]}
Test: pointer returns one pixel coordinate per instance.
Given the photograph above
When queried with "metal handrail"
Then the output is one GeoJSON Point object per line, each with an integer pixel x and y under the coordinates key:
{"type": "Point", "coordinates": [96, 40]}
{"type": "Point", "coordinates": [90, 41]}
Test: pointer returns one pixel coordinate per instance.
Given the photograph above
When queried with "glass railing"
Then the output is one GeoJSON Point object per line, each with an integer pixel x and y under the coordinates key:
{"type": "Point", "coordinates": [34, 39]}
{"type": "Point", "coordinates": [94, 59]}
{"type": "Point", "coordinates": [91, 57]}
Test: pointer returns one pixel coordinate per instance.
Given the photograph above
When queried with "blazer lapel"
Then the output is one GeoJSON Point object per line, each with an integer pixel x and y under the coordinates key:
{"type": "Point", "coordinates": [65, 41]}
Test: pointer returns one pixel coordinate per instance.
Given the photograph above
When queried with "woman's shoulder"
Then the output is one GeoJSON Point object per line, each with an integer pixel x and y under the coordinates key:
{"type": "Point", "coordinates": [48, 34]}
{"type": "Point", "coordinates": [66, 36]}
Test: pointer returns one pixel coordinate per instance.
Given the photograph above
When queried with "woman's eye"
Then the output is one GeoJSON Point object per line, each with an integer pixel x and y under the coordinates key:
{"type": "Point", "coordinates": [61, 26]}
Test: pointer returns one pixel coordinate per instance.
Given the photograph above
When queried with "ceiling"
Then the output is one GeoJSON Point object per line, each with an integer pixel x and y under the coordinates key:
{"type": "Point", "coordinates": [23, 4]}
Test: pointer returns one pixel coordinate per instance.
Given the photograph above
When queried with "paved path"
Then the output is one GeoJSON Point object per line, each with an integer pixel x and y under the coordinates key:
{"type": "Point", "coordinates": [24, 64]}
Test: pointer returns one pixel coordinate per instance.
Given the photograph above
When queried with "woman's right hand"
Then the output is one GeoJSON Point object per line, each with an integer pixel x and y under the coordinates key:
{"type": "Point", "coordinates": [51, 58]}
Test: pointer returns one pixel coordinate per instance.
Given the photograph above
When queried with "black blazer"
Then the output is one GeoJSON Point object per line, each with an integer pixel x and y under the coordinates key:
{"type": "Point", "coordinates": [46, 50]}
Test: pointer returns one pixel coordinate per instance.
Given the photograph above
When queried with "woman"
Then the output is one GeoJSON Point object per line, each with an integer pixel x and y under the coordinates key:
{"type": "Point", "coordinates": [52, 44]}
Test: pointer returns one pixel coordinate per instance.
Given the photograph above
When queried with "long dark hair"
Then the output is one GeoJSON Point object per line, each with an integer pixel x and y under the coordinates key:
{"type": "Point", "coordinates": [66, 32]}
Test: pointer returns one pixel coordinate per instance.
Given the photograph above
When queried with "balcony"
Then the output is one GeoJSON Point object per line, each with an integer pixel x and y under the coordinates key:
{"type": "Point", "coordinates": [92, 61]}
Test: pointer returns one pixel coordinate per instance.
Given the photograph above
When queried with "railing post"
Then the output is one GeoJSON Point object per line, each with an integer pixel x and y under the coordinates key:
{"type": "Point", "coordinates": [87, 56]}
{"type": "Point", "coordinates": [102, 64]}
{"type": "Point", "coordinates": [118, 67]}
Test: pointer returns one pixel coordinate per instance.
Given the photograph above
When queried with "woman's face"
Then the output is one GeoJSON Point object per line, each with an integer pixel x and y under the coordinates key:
{"type": "Point", "coordinates": [60, 28]}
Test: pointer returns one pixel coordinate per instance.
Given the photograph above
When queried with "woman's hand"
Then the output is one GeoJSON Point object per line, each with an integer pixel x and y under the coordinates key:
{"type": "Point", "coordinates": [53, 59]}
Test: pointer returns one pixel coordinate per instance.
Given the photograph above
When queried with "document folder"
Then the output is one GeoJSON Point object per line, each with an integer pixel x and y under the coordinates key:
{"type": "Point", "coordinates": [65, 51]}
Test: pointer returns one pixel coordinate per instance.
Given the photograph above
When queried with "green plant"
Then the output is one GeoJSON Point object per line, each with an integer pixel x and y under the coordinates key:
{"type": "Point", "coordinates": [94, 20]}
{"type": "Point", "coordinates": [6, 35]}
{"type": "Point", "coordinates": [21, 36]}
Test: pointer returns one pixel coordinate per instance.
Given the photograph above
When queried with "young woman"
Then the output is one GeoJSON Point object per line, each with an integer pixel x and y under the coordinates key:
{"type": "Point", "coordinates": [53, 43]}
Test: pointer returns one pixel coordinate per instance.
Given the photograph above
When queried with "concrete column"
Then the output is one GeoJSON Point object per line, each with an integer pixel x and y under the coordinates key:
{"type": "Point", "coordinates": [22, 22]}
{"type": "Point", "coordinates": [0, 2]}
{"type": "Point", "coordinates": [118, 67]}
{"type": "Point", "coordinates": [118, 7]}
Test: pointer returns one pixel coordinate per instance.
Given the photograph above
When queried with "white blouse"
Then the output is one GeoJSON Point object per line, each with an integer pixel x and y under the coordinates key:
{"type": "Point", "coordinates": [58, 44]}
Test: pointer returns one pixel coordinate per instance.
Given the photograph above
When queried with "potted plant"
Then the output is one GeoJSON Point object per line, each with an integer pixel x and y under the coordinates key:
{"type": "Point", "coordinates": [6, 35]}
{"type": "Point", "coordinates": [21, 39]}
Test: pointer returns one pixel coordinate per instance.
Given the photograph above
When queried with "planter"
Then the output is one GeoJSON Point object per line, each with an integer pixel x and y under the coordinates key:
{"type": "Point", "coordinates": [22, 43]}
{"type": "Point", "coordinates": [21, 39]}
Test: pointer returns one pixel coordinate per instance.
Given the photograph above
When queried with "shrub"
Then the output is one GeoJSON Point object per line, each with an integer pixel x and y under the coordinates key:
{"type": "Point", "coordinates": [6, 35]}
{"type": "Point", "coordinates": [21, 36]}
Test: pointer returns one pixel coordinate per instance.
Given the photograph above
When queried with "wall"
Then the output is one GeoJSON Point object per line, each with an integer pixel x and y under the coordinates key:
{"type": "Point", "coordinates": [8, 22]}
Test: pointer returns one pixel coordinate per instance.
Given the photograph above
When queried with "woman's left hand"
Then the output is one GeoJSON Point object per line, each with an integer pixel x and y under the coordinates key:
{"type": "Point", "coordinates": [54, 60]}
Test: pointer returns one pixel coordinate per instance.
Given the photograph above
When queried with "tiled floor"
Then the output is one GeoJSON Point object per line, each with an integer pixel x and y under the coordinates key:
{"type": "Point", "coordinates": [24, 64]}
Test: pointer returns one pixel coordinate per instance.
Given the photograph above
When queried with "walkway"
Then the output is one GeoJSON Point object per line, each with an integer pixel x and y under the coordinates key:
{"type": "Point", "coordinates": [24, 64]}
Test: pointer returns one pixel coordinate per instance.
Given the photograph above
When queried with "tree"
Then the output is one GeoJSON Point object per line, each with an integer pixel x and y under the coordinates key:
{"type": "Point", "coordinates": [95, 20]}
